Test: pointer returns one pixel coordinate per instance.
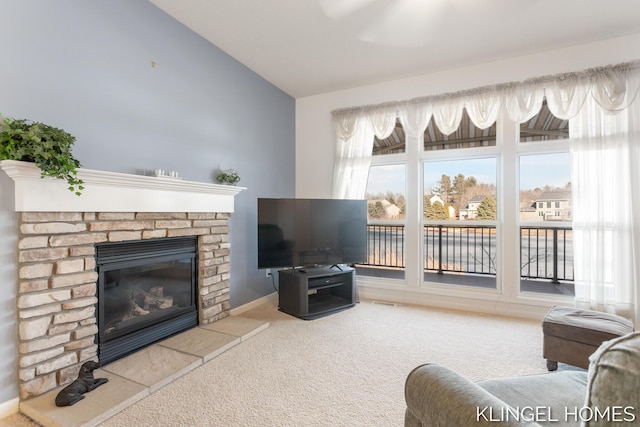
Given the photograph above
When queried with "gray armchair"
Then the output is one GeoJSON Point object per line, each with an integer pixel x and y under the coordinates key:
{"type": "Point", "coordinates": [607, 394]}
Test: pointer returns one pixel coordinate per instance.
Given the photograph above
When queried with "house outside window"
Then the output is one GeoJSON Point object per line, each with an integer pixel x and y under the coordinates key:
{"type": "Point", "coordinates": [557, 202]}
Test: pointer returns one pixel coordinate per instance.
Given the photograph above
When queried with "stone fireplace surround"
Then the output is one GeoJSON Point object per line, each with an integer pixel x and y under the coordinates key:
{"type": "Point", "coordinates": [56, 264]}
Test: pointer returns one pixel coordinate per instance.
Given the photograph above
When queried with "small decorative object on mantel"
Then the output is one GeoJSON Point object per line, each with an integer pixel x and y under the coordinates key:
{"type": "Point", "coordinates": [46, 146]}
{"type": "Point", "coordinates": [161, 173]}
{"type": "Point", "coordinates": [228, 176]}
{"type": "Point", "coordinates": [85, 382]}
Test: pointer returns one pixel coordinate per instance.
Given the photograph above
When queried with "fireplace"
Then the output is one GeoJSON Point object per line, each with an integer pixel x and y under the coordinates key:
{"type": "Point", "coordinates": [58, 275]}
{"type": "Point", "coordinates": [146, 292]}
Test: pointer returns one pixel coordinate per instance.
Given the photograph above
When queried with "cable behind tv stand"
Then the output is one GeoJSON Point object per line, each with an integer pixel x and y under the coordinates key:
{"type": "Point", "coordinates": [315, 292]}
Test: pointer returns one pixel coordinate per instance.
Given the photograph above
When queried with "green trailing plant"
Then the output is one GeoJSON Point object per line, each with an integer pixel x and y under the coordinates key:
{"type": "Point", "coordinates": [46, 146]}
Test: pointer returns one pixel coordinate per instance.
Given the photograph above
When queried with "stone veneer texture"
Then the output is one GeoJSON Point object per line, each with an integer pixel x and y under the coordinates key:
{"type": "Point", "coordinates": [57, 283]}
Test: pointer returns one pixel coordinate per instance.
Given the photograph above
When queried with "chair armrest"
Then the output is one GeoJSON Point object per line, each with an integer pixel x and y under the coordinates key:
{"type": "Point", "coordinates": [439, 397]}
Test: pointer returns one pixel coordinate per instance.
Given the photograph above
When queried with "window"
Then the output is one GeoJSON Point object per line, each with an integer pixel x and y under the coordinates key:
{"type": "Point", "coordinates": [386, 193]}
{"type": "Point", "coordinates": [601, 103]}
{"type": "Point", "coordinates": [459, 206]}
{"type": "Point", "coordinates": [546, 260]}
{"type": "Point", "coordinates": [460, 213]}
{"type": "Point", "coordinates": [452, 233]}
{"type": "Point", "coordinates": [386, 228]}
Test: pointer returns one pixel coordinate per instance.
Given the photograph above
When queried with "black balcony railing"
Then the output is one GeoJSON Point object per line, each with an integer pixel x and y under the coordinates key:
{"type": "Point", "coordinates": [546, 252]}
{"type": "Point", "coordinates": [385, 246]}
{"type": "Point", "coordinates": [460, 249]}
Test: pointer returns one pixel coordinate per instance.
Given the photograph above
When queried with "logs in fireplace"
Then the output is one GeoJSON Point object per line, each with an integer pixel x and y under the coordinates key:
{"type": "Point", "coordinates": [147, 291]}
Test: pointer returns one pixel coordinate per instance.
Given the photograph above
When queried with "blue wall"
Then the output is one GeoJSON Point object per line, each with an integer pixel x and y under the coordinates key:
{"type": "Point", "coordinates": [86, 67]}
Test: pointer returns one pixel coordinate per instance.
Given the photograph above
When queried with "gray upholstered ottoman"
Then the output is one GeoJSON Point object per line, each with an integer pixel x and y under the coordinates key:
{"type": "Point", "coordinates": [571, 335]}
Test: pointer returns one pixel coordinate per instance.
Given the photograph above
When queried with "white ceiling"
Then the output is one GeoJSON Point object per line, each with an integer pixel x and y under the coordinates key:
{"type": "Point", "coordinates": [308, 47]}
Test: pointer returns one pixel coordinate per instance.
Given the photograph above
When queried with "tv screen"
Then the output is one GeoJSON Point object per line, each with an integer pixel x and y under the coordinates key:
{"type": "Point", "coordinates": [306, 232]}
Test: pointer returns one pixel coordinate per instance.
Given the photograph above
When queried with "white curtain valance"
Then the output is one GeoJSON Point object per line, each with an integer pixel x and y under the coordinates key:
{"type": "Point", "coordinates": [484, 108]}
{"type": "Point", "coordinates": [612, 87]}
{"type": "Point", "coordinates": [415, 117]}
{"type": "Point", "coordinates": [382, 121]}
{"type": "Point", "coordinates": [615, 89]}
{"type": "Point", "coordinates": [521, 102]}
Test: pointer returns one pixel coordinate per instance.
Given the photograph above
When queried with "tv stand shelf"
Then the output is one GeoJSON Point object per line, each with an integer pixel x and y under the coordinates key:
{"type": "Point", "coordinates": [316, 292]}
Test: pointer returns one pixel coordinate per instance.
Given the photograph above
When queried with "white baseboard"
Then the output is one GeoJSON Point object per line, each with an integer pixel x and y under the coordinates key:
{"type": "Point", "coordinates": [501, 307]}
{"type": "Point", "coordinates": [9, 407]}
{"type": "Point", "coordinates": [526, 308]}
{"type": "Point", "coordinates": [253, 304]}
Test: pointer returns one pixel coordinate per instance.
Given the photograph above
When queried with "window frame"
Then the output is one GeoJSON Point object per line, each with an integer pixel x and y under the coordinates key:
{"type": "Point", "coordinates": [507, 151]}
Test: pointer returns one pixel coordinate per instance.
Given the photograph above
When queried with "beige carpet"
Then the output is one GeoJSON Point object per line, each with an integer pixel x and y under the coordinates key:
{"type": "Point", "coordinates": [347, 369]}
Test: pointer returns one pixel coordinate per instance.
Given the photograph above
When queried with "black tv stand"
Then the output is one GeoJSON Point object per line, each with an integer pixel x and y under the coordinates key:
{"type": "Point", "coordinates": [316, 292]}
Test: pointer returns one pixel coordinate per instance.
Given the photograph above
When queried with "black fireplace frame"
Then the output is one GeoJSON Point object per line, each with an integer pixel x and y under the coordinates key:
{"type": "Point", "coordinates": [118, 255]}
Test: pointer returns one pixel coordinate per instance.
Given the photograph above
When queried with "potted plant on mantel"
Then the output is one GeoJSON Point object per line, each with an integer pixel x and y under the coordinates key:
{"type": "Point", "coordinates": [49, 148]}
{"type": "Point", "coordinates": [229, 177]}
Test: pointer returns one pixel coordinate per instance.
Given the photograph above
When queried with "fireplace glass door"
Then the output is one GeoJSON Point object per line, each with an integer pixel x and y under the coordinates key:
{"type": "Point", "coordinates": [146, 292]}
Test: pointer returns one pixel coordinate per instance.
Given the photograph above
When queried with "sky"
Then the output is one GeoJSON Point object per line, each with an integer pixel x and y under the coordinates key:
{"type": "Point", "coordinates": [536, 170]}
{"type": "Point", "coordinates": [483, 170]}
{"type": "Point", "coordinates": [545, 169]}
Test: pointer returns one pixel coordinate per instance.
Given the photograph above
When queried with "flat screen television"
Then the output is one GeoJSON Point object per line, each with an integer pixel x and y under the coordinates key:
{"type": "Point", "coordinates": [311, 232]}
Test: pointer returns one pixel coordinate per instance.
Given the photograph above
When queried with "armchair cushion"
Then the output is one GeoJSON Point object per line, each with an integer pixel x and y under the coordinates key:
{"type": "Point", "coordinates": [614, 381]}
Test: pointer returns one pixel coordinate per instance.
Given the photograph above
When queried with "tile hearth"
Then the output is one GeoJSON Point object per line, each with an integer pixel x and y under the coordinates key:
{"type": "Point", "coordinates": [144, 372]}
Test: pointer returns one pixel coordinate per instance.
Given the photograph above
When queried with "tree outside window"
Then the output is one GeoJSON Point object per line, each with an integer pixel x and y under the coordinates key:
{"type": "Point", "coordinates": [460, 187]}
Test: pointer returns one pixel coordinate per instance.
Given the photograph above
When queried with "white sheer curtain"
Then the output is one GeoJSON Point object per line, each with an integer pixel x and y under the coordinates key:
{"type": "Point", "coordinates": [606, 195]}
{"type": "Point", "coordinates": [603, 108]}
{"type": "Point", "coordinates": [354, 144]}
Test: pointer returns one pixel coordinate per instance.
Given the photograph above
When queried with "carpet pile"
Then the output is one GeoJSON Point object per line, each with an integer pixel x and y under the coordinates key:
{"type": "Point", "coordinates": [345, 369]}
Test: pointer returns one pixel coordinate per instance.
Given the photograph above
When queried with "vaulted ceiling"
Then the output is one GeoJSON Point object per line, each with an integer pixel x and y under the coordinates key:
{"type": "Point", "coordinates": [308, 47]}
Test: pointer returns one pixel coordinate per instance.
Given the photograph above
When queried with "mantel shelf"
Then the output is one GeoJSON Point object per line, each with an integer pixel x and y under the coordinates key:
{"type": "Point", "coordinates": [115, 192]}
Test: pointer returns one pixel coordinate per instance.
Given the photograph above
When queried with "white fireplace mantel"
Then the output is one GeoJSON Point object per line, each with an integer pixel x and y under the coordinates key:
{"type": "Point", "coordinates": [115, 192]}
